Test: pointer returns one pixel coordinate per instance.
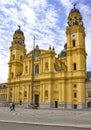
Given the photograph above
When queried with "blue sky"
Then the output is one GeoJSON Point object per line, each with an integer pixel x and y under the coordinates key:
{"type": "Point", "coordinates": [46, 19]}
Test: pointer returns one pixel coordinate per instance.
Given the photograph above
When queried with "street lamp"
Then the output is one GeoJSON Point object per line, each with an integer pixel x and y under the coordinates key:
{"type": "Point", "coordinates": [32, 83]}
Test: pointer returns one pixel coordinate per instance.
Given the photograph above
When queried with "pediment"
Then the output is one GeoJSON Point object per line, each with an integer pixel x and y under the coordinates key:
{"type": "Point", "coordinates": [37, 52]}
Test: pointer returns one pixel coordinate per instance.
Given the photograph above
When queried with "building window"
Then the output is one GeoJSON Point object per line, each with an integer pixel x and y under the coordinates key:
{"type": "Point", "coordinates": [13, 57]}
{"type": "Point", "coordinates": [74, 66]}
{"type": "Point", "coordinates": [10, 89]}
{"type": "Point", "coordinates": [74, 86]}
{"type": "Point", "coordinates": [46, 65]}
{"type": "Point", "coordinates": [89, 94]}
{"type": "Point", "coordinates": [20, 58]}
{"type": "Point", "coordinates": [10, 95]}
{"type": "Point", "coordinates": [75, 95]}
{"type": "Point", "coordinates": [74, 43]}
{"type": "Point", "coordinates": [26, 69]}
{"type": "Point", "coordinates": [46, 93]}
{"type": "Point", "coordinates": [12, 75]}
{"type": "Point", "coordinates": [37, 69]}
{"type": "Point", "coordinates": [89, 85]}
{"type": "Point", "coordinates": [25, 93]}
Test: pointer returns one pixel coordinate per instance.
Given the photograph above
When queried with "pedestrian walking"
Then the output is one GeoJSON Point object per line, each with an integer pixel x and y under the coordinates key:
{"type": "Point", "coordinates": [13, 106]}
{"type": "Point", "coordinates": [10, 105]}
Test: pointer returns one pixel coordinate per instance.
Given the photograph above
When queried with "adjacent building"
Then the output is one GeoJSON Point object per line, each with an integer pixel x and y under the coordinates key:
{"type": "Point", "coordinates": [45, 78]}
{"type": "Point", "coordinates": [88, 90]}
{"type": "Point", "coordinates": [3, 93]}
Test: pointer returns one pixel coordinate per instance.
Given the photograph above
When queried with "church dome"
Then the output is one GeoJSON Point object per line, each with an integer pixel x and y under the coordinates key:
{"type": "Point", "coordinates": [19, 31]}
{"type": "Point", "coordinates": [63, 52]}
{"type": "Point", "coordinates": [18, 36]}
{"type": "Point", "coordinates": [74, 10]}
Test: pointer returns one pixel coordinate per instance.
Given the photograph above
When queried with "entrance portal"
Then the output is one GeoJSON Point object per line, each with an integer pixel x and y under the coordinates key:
{"type": "Point", "coordinates": [37, 100]}
{"type": "Point", "coordinates": [89, 104]}
{"type": "Point", "coordinates": [56, 104]}
{"type": "Point", "coordinates": [75, 106]}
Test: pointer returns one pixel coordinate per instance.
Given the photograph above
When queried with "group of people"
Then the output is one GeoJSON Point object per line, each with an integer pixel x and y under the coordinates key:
{"type": "Point", "coordinates": [12, 106]}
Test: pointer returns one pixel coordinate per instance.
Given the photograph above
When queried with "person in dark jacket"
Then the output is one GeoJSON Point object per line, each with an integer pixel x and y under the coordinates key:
{"type": "Point", "coordinates": [13, 106]}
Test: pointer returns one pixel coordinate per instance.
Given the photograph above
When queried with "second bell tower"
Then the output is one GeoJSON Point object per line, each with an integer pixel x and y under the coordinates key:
{"type": "Point", "coordinates": [75, 33]}
{"type": "Point", "coordinates": [76, 59]}
{"type": "Point", "coordinates": [17, 53]}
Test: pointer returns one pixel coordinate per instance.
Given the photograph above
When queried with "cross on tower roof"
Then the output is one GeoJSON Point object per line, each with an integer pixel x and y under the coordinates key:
{"type": "Point", "coordinates": [74, 4]}
{"type": "Point", "coordinates": [19, 27]}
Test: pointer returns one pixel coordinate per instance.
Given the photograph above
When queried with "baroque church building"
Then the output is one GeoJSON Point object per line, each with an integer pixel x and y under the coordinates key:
{"type": "Point", "coordinates": [48, 80]}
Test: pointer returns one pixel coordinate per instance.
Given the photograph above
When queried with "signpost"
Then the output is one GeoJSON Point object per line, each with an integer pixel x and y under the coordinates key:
{"type": "Point", "coordinates": [32, 83]}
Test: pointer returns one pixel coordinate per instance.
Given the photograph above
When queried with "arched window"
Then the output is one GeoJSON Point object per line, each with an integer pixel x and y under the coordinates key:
{"type": "Point", "coordinates": [75, 95]}
{"type": "Point", "coordinates": [26, 69]}
{"type": "Point", "coordinates": [25, 93]}
{"type": "Point", "coordinates": [74, 43]}
{"type": "Point", "coordinates": [46, 93]}
{"type": "Point", "coordinates": [20, 57]}
{"type": "Point", "coordinates": [37, 69]}
{"type": "Point", "coordinates": [12, 75]}
{"type": "Point", "coordinates": [13, 57]}
{"type": "Point", "coordinates": [74, 66]}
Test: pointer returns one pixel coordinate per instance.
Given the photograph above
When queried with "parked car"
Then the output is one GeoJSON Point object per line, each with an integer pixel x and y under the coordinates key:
{"type": "Point", "coordinates": [32, 106]}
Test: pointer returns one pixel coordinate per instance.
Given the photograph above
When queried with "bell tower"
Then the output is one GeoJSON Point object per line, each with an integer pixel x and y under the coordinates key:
{"type": "Point", "coordinates": [75, 33]}
{"type": "Point", "coordinates": [17, 53]}
{"type": "Point", "coordinates": [76, 58]}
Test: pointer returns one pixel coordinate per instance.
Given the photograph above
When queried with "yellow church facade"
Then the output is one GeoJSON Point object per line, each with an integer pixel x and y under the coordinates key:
{"type": "Point", "coordinates": [45, 78]}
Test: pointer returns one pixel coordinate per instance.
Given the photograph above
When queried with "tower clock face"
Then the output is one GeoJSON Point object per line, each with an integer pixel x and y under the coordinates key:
{"type": "Point", "coordinates": [73, 35]}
